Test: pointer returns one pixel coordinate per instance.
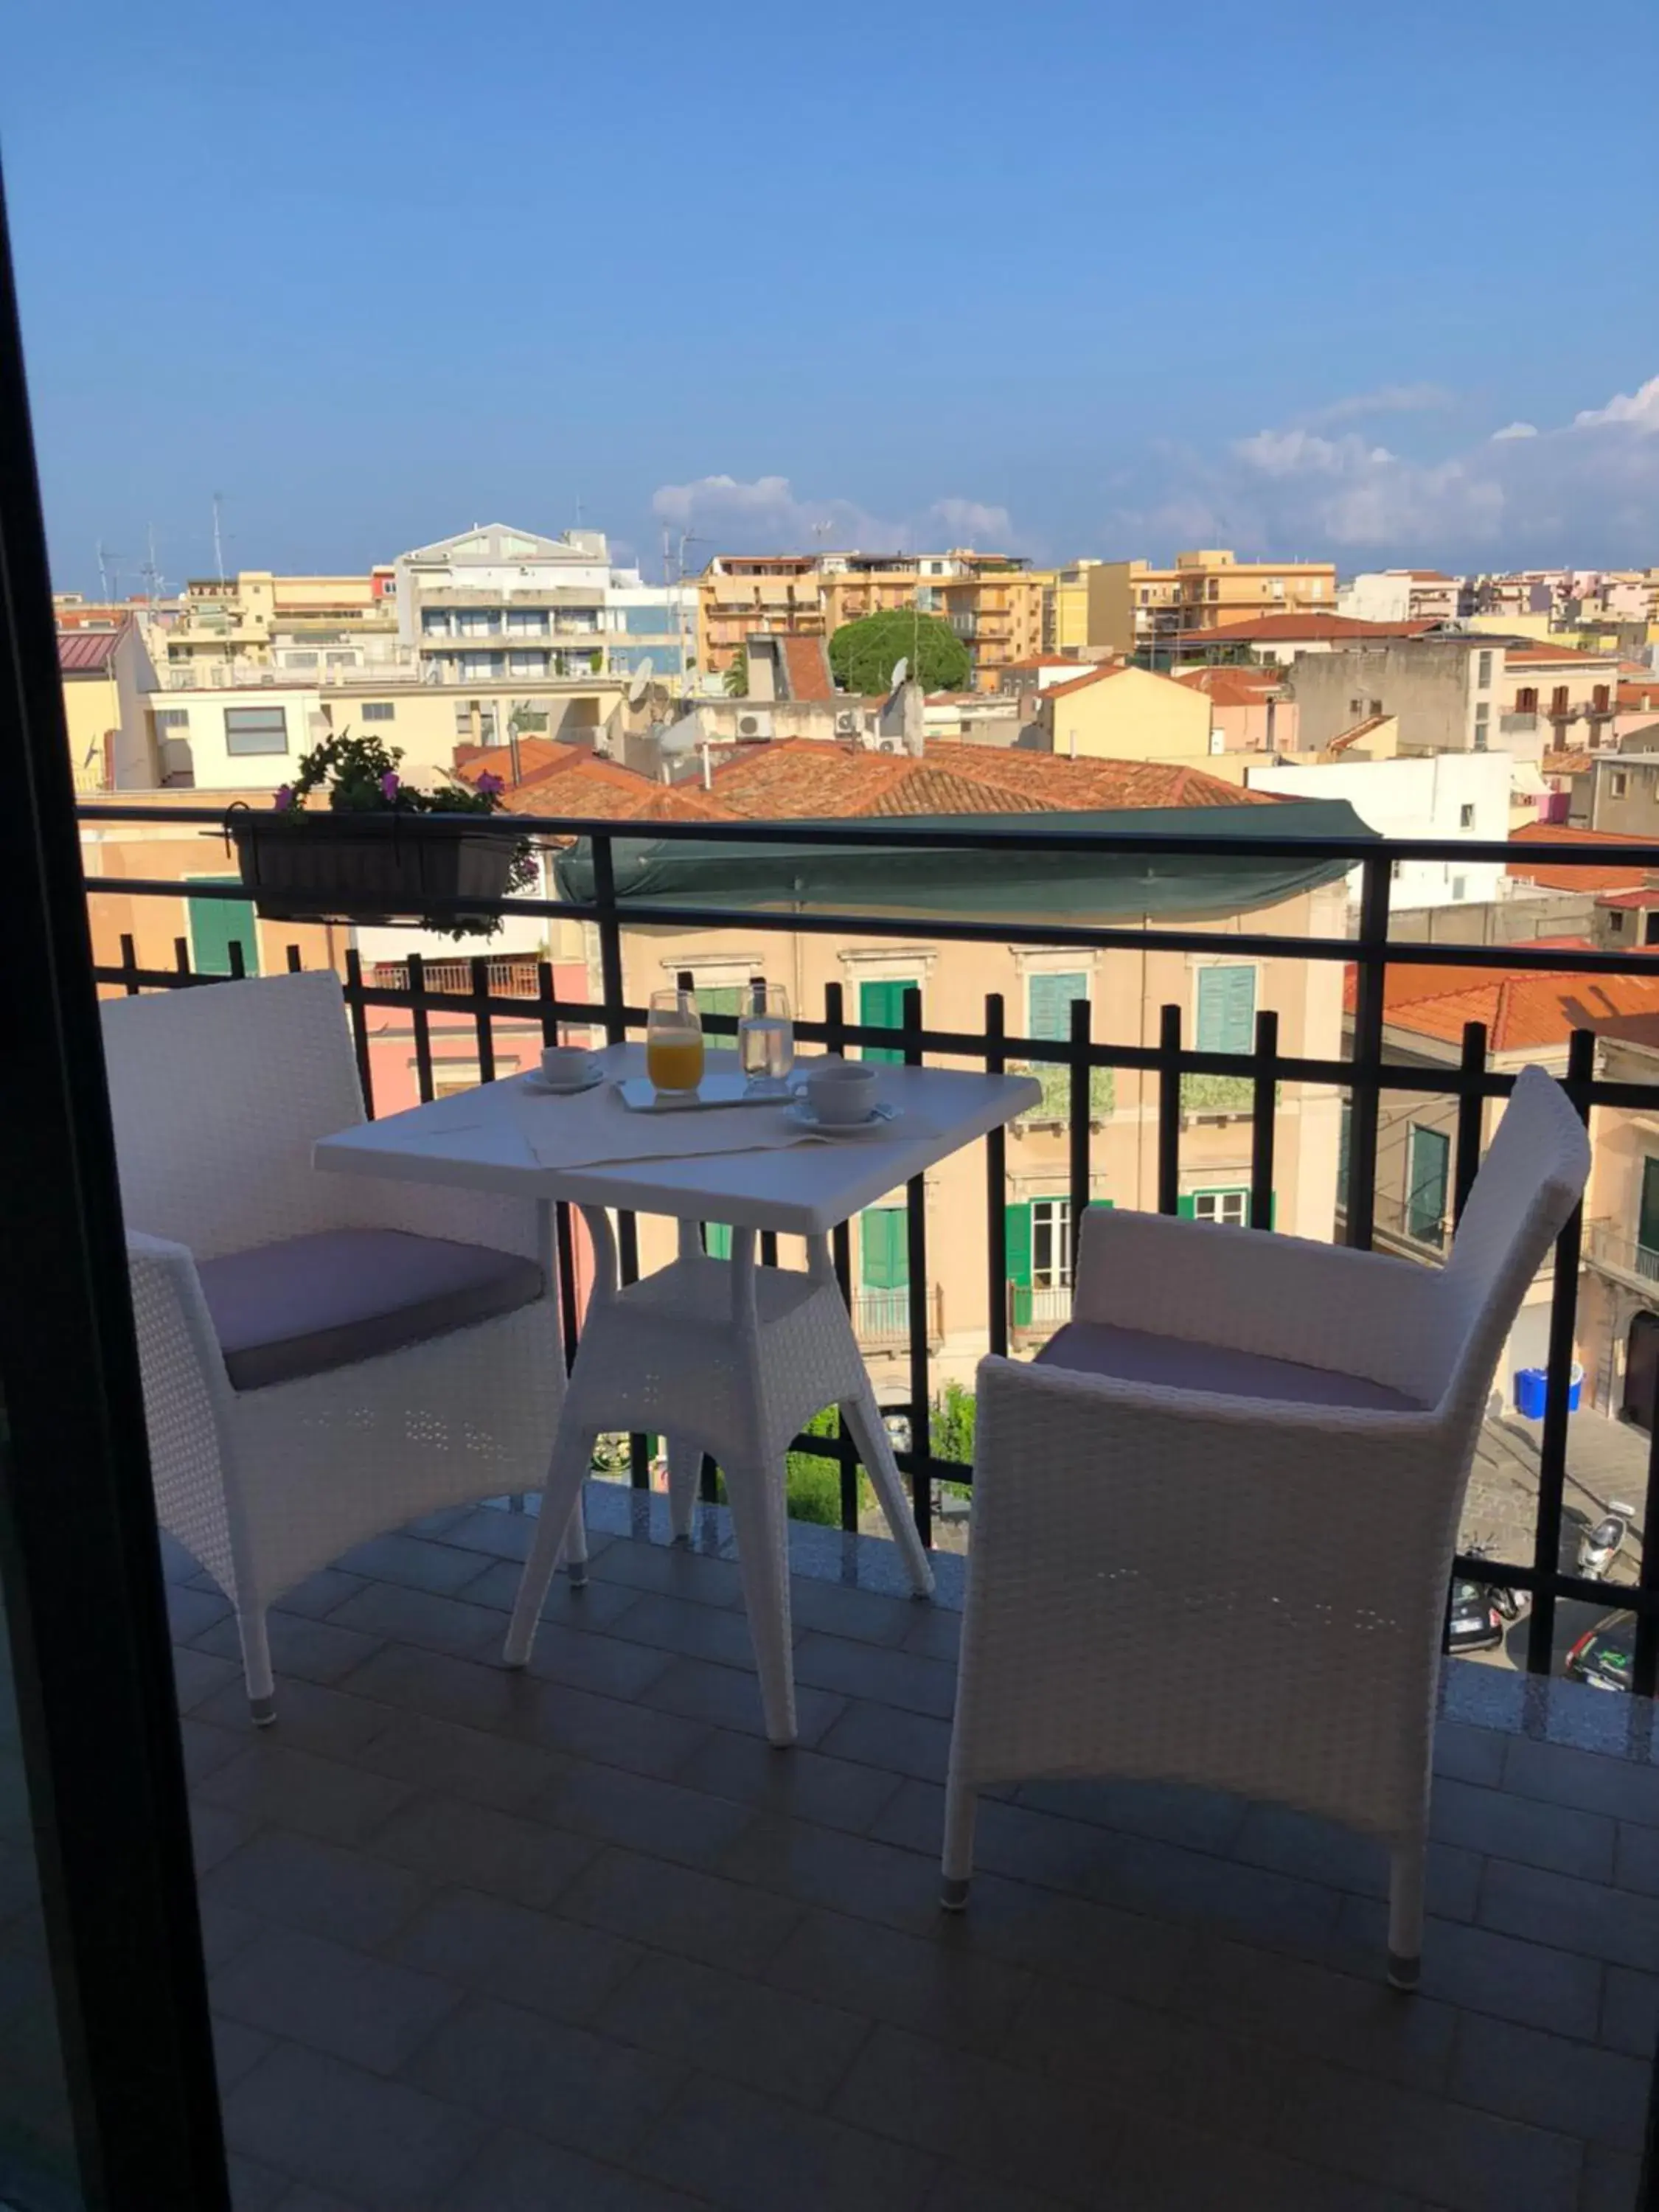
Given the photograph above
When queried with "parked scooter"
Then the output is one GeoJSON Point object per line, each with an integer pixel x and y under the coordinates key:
{"type": "Point", "coordinates": [1511, 1604]}
{"type": "Point", "coordinates": [1598, 1547]}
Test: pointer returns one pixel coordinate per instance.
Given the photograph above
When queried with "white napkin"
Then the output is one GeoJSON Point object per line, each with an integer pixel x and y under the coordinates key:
{"type": "Point", "coordinates": [594, 1129]}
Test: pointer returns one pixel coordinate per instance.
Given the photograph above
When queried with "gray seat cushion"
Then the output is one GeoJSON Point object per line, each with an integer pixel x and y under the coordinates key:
{"type": "Point", "coordinates": [1133, 1355]}
{"type": "Point", "coordinates": [328, 1300]}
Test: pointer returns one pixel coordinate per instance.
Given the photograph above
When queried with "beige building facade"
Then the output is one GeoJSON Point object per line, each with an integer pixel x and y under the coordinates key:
{"type": "Point", "coordinates": [1131, 603]}
{"type": "Point", "coordinates": [1219, 995]}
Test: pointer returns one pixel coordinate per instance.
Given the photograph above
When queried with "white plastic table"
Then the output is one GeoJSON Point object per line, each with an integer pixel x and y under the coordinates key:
{"type": "Point", "coordinates": [719, 1355]}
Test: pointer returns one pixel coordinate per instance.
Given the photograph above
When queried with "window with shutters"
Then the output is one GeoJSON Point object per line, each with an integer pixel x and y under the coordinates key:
{"type": "Point", "coordinates": [1226, 1008]}
{"type": "Point", "coordinates": [883, 1249]}
{"type": "Point", "coordinates": [718, 1240]}
{"type": "Point", "coordinates": [1428, 1163]}
{"type": "Point", "coordinates": [214, 925]}
{"type": "Point", "coordinates": [881, 1006]}
{"type": "Point", "coordinates": [1229, 1209]}
{"type": "Point", "coordinates": [1048, 1003]}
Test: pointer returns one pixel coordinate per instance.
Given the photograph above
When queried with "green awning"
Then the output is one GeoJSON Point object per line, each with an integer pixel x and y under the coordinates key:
{"type": "Point", "coordinates": [1032, 885]}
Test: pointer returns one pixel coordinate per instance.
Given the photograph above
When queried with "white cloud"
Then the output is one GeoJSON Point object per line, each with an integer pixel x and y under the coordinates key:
{"type": "Point", "coordinates": [969, 522]}
{"type": "Point", "coordinates": [1587, 491]}
{"type": "Point", "coordinates": [1386, 399]}
{"type": "Point", "coordinates": [1639, 409]}
{"type": "Point", "coordinates": [764, 515]}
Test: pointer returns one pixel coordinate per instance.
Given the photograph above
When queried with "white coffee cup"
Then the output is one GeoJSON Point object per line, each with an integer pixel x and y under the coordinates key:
{"type": "Point", "coordinates": [566, 1066]}
{"type": "Point", "coordinates": [841, 1091]}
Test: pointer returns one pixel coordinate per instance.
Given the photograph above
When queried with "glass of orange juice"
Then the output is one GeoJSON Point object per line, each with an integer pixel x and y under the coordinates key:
{"type": "Point", "coordinates": [673, 1044]}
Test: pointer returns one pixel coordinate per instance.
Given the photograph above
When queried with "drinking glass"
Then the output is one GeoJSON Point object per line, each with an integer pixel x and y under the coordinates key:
{"type": "Point", "coordinates": [673, 1044]}
{"type": "Point", "coordinates": [765, 1037]}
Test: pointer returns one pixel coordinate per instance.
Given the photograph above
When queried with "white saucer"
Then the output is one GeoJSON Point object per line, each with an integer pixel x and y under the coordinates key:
{"type": "Point", "coordinates": [804, 1111]}
{"type": "Point", "coordinates": [536, 1081]}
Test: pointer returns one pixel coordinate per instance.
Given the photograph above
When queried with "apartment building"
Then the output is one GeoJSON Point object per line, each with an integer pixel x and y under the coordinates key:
{"type": "Point", "coordinates": [108, 676]}
{"type": "Point", "coordinates": [1472, 692]}
{"type": "Point", "coordinates": [994, 602]}
{"type": "Point", "coordinates": [1438, 795]}
{"type": "Point", "coordinates": [1066, 609]}
{"type": "Point", "coordinates": [315, 627]}
{"type": "Point", "coordinates": [1119, 711]}
{"type": "Point", "coordinates": [250, 736]}
{"type": "Point", "coordinates": [1619, 1295]}
{"type": "Point", "coordinates": [496, 602]}
{"type": "Point", "coordinates": [1132, 604]}
{"type": "Point", "coordinates": [1250, 710]}
{"type": "Point", "coordinates": [1402, 595]}
{"type": "Point", "coordinates": [1219, 993]}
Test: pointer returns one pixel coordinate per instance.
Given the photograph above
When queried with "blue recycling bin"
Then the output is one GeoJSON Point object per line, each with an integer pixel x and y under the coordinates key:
{"type": "Point", "coordinates": [1530, 1384]}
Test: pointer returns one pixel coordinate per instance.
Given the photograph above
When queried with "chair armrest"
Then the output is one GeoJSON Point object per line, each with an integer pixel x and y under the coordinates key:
{"type": "Point", "coordinates": [188, 1400]}
{"type": "Point", "coordinates": [1288, 1298]}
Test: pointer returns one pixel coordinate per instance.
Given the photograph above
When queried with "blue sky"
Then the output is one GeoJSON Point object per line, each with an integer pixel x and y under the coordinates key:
{"type": "Point", "coordinates": [1079, 279]}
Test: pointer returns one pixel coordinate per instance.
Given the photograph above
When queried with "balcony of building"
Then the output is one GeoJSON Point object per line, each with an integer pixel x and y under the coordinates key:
{"type": "Point", "coordinates": [480, 1939]}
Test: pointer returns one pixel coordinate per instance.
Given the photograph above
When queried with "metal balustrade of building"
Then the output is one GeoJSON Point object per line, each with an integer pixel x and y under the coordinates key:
{"type": "Point", "coordinates": [1362, 1078]}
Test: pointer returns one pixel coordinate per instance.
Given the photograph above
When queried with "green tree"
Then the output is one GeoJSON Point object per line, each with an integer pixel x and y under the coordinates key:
{"type": "Point", "coordinates": [736, 676]}
{"type": "Point", "coordinates": [863, 654]}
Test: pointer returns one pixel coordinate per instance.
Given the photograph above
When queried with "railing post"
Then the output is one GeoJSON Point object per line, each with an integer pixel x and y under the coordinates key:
{"type": "Point", "coordinates": [128, 965]}
{"type": "Point", "coordinates": [1471, 1105]}
{"type": "Point", "coordinates": [1078, 1093]}
{"type": "Point", "coordinates": [422, 1021]}
{"type": "Point", "coordinates": [915, 1202]}
{"type": "Point", "coordinates": [359, 1013]}
{"type": "Point", "coordinates": [1168, 1110]}
{"type": "Point", "coordinates": [1371, 954]}
{"type": "Point", "coordinates": [482, 1026]}
{"type": "Point", "coordinates": [1264, 1110]}
{"type": "Point", "coordinates": [996, 1192]}
{"type": "Point", "coordinates": [840, 1253]}
{"type": "Point", "coordinates": [1553, 1444]}
{"type": "Point", "coordinates": [609, 926]}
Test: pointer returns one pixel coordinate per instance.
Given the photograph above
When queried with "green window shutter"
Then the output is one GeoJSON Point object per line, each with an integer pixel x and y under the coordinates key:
{"type": "Point", "coordinates": [1016, 1242]}
{"type": "Point", "coordinates": [1226, 1009]}
{"type": "Point", "coordinates": [718, 1236]}
{"type": "Point", "coordinates": [1186, 1207]}
{"type": "Point", "coordinates": [1272, 1209]}
{"type": "Point", "coordinates": [1102, 1205]}
{"type": "Point", "coordinates": [883, 1245]}
{"type": "Point", "coordinates": [722, 1000]}
{"type": "Point", "coordinates": [1050, 1007]}
{"type": "Point", "coordinates": [1428, 1170]}
{"type": "Point", "coordinates": [881, 1006]}
{"type": "Point", "coordinates": [214, 923]}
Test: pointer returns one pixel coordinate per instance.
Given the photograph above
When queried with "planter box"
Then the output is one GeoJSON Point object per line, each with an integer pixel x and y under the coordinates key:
{"type": "Point", "coordinates": [333, 867]}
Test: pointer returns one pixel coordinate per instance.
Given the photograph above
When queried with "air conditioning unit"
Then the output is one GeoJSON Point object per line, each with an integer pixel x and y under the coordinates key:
{"type": "Point", "coordinates": [889, 745]}
{"type": "Point", "coordinates": [756, 725]}
{"type": "Point", "coordinates": [848, 722]}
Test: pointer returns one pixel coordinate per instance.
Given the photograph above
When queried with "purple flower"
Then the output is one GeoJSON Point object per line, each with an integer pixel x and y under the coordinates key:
{"type": "Point", "coordinates": [488, 784]}
{"type": "Point", "coordinates": [389, 785]}
{"type": "Point", "coordinates": [285, 798]}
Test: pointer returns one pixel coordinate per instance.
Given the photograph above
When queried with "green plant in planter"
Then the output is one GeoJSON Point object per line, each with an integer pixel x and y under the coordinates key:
{"type": "Point", "coordinates": [360, 776]}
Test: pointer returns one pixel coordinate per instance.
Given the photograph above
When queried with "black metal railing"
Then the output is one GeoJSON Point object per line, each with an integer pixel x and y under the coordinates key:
{"type": "Point", "coordinates": [1363, 1076]}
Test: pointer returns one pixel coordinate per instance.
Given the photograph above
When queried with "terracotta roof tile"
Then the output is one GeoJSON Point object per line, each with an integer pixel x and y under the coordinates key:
{"type": "Point", "coordinates": [1232, 687]}
{"type": "Point", "coordinates": [1640, 697]}
{"type": "Point", "coordinates": [1518, 654]}
{"type": "Point", "coordinates": [1285, 629]}
{"type": "Point", "coordinates": [1564, 879]}
{"type": "Point", "coordinates": [806, 668]}
{"type": "Point", "coordinates": [1346, 737]}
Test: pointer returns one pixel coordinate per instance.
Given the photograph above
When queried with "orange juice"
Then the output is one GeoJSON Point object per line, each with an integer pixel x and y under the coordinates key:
{"type": "Point", "coordinates": [674, 1063]}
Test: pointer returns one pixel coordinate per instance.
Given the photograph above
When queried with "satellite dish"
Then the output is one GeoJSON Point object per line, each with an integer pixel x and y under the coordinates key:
{"type": "Point", "coordinates": [901, 670]}
{"type": "Point", "coordinates": [643, 676]}
{"type": "Point", "coordinates": [680, 736]}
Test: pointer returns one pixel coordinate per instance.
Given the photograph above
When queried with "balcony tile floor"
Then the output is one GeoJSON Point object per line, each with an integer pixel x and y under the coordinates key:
{"type": "Point", "coordinates": [577, 1938]}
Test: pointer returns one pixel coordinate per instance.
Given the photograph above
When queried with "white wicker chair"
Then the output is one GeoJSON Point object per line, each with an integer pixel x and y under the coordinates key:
{"type": "Point", "coordinates": [218, 1094]}
{"type": "Point", "coordinates": [1221, 1556]}
{"type": "Point", "coordinates": [728, 1358]}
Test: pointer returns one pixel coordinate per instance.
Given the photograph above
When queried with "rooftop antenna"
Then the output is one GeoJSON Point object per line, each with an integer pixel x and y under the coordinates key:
{"type": "Point", "coordinates": [152, 575]}
{"type": "Point", "coordinates": [643, 676]}
{"type": "Point", "coordinates": [218, 541]}
{"type": "Point", "coordinates": [105, 557]}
